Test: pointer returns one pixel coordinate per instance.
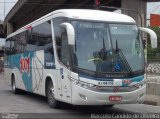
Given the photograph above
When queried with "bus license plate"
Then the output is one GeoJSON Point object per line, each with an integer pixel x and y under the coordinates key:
{"type": "Point", "coordinates": [115, 98]}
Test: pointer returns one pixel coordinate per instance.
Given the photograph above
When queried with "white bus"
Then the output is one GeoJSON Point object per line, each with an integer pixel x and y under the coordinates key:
{"type": "Point", "coordinates": [81, 57]}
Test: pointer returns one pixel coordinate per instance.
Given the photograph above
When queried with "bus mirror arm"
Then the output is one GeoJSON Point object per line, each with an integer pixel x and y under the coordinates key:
{"type": "Point", "coordinates": [152, 34]}
{"type": "Point", "coordinates": [70, 33]}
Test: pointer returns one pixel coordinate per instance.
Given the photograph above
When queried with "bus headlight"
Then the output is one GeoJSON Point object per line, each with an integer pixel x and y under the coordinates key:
{"type": "Point", "coordinates": [82, 84]}
{"type": "Point", "coordinates": [139, 85]}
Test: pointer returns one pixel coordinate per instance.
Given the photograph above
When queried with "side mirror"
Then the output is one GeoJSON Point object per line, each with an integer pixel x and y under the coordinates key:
{"type": "Point", "coordinates": [70, 33]}
{"type": "Point", "coordinates": [152, 34]}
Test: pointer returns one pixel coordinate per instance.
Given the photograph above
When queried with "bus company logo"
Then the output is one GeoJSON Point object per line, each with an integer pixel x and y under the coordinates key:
{"type": "Point", "coordinates": [116, 89]}
{"type": "Point", "coordinates": [127, 81]}
{"type": "Point", "coordinates": [28, 27]}
{"type": "Point", "coordinates": [25, 65]}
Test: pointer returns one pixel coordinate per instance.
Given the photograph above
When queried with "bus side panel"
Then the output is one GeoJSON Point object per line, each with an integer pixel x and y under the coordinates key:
{"type": "Point", "coordinates": [20, 65]}
{"type": "Point", "coordinates": [43, 66]}
{"type": "Point", "coordinates": [28, 69]}
{"type": "Point", "coordinates": [31, 72]}
{"type": "Point", "coordinates": [16, 62]}
{"type": "Point", "coordinates": [7, 76]}
{"type": "Point", "coordinates": [37, 72]}
{"type": "Point", "coordinates": [52, 74]}
{"type": "Point", "coordinates": [12, 67]}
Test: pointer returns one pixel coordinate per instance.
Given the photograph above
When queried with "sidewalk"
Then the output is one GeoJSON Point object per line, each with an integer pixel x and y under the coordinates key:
{"type": "Point", "coordinates": [2, 76]}
{"type": "Point", "coordinates": [153, 89]}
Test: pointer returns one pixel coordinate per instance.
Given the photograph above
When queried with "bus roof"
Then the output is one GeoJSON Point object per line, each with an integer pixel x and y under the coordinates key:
{"type": "Point", "coordinates": [97, 15]}
{"type": "Point", "coordinates": [83, 14]}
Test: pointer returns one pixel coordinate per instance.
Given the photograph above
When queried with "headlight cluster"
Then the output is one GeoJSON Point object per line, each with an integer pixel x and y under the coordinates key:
{"type": "Point", "coordinates": [82, 84]}
{"type": "Point", "coordinates": [140, 84]}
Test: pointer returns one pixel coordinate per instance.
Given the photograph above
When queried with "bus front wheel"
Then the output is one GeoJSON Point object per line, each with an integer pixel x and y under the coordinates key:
{"type": "Point", "coordinates": [50, 96]}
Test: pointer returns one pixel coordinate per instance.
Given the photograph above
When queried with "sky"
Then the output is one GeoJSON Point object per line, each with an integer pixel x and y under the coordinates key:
{"type": "Point", "coordinates": [8, 5]}
{"type": "Point", "coordinates": [151, 8]}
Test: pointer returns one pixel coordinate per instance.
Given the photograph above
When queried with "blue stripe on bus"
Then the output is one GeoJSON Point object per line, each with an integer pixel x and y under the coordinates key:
{"type": "Point", "coordinates": [135, 79]}
{"type": "Point", "coordinates": [15, 62]}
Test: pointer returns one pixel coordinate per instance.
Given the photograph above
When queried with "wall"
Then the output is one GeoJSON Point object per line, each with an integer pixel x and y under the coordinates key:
{"type": "Point", "coordinates": [153, 68]}
{"type": "Point", "coordinates": [136, 5]}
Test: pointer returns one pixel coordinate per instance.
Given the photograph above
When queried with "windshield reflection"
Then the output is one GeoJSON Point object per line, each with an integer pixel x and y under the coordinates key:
{"type": "Point", "coordinates": [102, 47]}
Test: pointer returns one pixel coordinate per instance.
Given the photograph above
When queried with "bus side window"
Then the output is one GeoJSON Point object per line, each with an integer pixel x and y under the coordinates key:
{"type": "Point", "coordinates": [7, 46]}
{"type": "Point", "coordinates": [49, 58]}
{"type": "Point", "coordinates": [10, 47]}
{"type": "Point", "coordinates": [58, 43]}
{"type": "Point", "coordinates": [50, 51]}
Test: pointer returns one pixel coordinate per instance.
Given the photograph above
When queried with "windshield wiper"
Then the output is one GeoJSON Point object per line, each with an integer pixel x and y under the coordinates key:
{"type": "Point", "coordinates": [123, 57]}
{"type": "Point", "coordinates": [117, 49]}
{"type": "Point", "coordinates": [103, 51]}
{"type": "Point", "coordinates": [102, 56]}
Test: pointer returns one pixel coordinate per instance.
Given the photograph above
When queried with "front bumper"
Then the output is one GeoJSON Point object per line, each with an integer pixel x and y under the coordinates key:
{"type": "Point", "coordinates": [82, 96]}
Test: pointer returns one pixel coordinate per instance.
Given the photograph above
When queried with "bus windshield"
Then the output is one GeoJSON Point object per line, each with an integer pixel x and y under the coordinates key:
{"type": "Point", "coordinates": [108, 48]}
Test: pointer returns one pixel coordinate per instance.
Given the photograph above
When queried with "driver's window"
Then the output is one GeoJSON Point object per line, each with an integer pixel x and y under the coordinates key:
{"type": "Point", "coordinates": [136, 49]}
{"type": "Point", "coordinates": [64, 52]}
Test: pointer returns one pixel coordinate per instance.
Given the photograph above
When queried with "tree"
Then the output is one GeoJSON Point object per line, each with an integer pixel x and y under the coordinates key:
{"type": "Point", "coordinates": [154, 54]}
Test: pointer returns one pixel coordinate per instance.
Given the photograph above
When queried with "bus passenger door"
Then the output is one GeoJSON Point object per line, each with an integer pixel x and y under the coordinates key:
{"type": "Point", "coordinates": [65, 72]}
{"type": "Point", "coordinates": [65, 84]}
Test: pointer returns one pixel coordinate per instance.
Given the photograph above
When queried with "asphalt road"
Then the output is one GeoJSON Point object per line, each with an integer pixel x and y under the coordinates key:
{"type": "Point", "coordinates": [36, 106]}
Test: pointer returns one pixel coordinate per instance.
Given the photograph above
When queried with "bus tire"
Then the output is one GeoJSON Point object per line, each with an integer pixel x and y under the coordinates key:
{"type": "Point", "coordinates": [53, 103]}
{"type": "Point", "coordinates": [108, 106]}
{"type": "Point", "coordinates": [13, 84]}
